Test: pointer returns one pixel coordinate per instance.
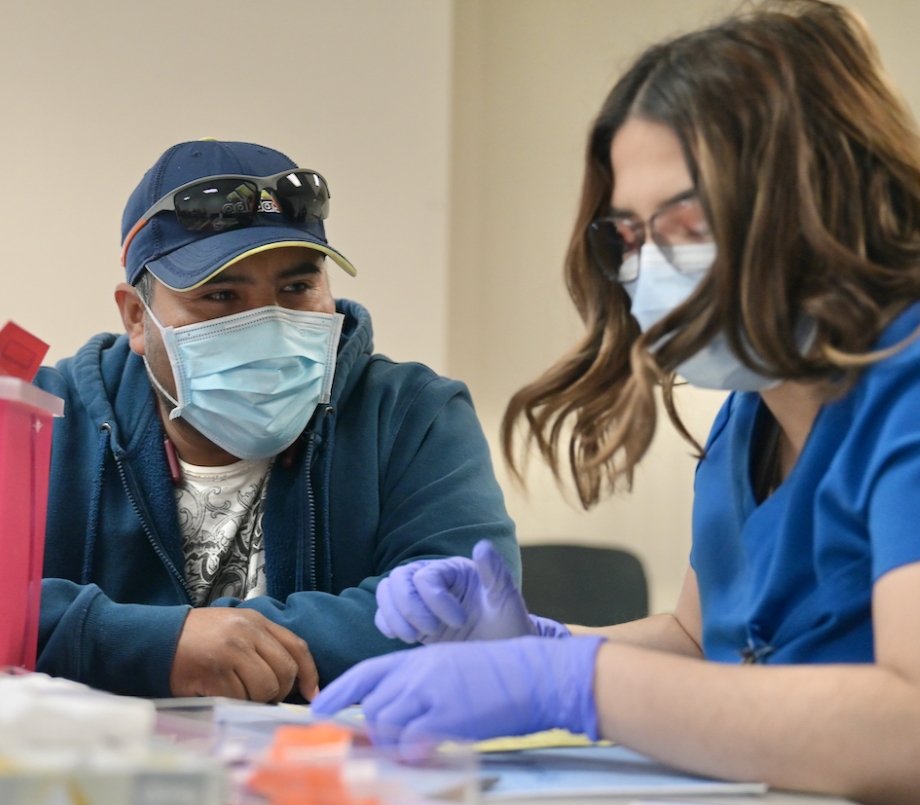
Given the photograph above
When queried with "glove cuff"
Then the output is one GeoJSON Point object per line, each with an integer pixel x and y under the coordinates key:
{"type": "Point", "coordinates": [547, 627]}
{"type": "Point", "coordinates": [579, 707]}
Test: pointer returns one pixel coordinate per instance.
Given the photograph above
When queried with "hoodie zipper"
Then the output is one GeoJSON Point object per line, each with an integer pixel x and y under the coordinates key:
{"type": "Point", "coordinates": [150, 537]}
{"type": "Point", "coordinates": [311, 511]}
{"type": "Point", "coordinates": [311, 495]}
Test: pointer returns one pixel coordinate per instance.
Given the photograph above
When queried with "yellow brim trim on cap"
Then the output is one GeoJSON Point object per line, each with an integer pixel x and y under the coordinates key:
{"type": "Point", "coordinates": [336, 257]}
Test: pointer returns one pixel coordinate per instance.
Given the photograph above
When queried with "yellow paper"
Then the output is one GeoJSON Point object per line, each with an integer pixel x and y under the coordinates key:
{"type": "Point", "coordinates": [548, 739]}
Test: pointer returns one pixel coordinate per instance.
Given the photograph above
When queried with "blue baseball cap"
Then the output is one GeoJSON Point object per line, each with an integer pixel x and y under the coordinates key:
{"type": "Point", "coordinates": [183, 259]}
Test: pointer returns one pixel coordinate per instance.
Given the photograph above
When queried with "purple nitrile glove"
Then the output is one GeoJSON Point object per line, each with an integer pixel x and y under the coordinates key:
{"type": "Point", "coordinates": [436, 601]}
{"type": "Point", "coordinates": [473, 690]}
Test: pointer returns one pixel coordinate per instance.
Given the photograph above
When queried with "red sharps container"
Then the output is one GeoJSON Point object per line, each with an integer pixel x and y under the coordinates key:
{"type": "Point", "coordinates": [26, 415]}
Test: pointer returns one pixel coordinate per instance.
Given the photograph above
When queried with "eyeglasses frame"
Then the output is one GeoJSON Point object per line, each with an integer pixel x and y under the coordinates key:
{"type": "Point", "coordinates": [641, 235]}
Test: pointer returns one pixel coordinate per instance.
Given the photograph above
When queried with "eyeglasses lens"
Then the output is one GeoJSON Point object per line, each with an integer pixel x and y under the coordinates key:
{"type": "Point", "coordinates": [217, 205]}
{"type": "Point", "coordinates": [302, 196]}
{"type": "Point", "coordinates": [681, 224]}
{"type": "Point", "coordinates": [614, 244]}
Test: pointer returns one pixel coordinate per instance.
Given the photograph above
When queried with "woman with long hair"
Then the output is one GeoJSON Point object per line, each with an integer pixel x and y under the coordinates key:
{"type": "Point", "coordinates": [750, 221]}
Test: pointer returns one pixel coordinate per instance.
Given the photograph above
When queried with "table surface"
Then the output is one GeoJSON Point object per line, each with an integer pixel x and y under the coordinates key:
{"type": "Point", "coordinates": [201, 715]}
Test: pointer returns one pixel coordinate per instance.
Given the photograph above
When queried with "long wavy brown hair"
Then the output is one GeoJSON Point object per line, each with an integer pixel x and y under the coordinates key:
{"type": "Point", "coordinates": [807, 164]}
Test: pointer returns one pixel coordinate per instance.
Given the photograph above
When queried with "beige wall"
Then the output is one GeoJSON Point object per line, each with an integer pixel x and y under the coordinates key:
{"type": "Point", "coordinates": [92, 93]}
{"type": "Point", "coordinates": [451, 134]}
{"type": "Point", "coordinates": [529, 76]}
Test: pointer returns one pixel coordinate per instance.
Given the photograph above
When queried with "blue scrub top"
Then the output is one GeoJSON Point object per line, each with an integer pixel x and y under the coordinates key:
{"type": "Point", "coordinates": [790, 580]}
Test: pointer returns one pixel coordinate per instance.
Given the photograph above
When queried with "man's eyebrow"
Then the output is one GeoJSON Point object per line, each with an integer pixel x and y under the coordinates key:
{"type": "Point", "coordinates": [306, 267]}
{"type": "Point", "coordinates": [682, 196]}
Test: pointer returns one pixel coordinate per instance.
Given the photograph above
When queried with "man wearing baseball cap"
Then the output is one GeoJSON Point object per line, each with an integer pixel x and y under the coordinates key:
{"type": "Point", "coordinates": [237, 471]}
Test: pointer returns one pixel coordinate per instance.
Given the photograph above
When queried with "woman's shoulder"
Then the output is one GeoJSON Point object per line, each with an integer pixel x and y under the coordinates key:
{"type": "Point", "coordinates": [897, 372]}
{"type": "Point", "coordinates": [881, 414]}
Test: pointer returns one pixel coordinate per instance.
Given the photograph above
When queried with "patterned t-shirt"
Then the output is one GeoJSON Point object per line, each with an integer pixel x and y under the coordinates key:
{"type": "Point", "coordinates": [220, 520]}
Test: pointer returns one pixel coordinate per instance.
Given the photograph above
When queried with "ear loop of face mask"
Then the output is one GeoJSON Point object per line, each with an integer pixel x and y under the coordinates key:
{"type": "Point", "coordinates": [178, 405]}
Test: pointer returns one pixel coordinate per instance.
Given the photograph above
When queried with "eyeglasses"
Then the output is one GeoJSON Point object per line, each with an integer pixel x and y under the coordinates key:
{"type": "Point", "coordinates": [614, 242]}
{"type": "Point", "coordinates": [218, 203]}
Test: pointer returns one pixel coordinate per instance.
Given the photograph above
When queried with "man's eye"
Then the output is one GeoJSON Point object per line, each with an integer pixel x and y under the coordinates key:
{"type": "Point", "coordinates": [219, 296]}
{"type": "Point", "coordinates": [297, 287]}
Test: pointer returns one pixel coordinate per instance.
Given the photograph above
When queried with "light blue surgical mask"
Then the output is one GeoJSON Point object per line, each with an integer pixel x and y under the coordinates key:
{"type": "Point", "coordinates": [661, 287]}
{"type": "Point", "coordinates": [251, 381]}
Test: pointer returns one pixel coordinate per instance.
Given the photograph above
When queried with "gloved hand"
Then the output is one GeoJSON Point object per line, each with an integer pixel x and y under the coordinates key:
{"type": "Point", "coordinates": [435, 601]}
{"type": "Point", "coordinates": [473, 690]}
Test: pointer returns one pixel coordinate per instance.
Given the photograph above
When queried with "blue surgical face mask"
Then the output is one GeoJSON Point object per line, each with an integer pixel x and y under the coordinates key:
{"type": "Point", "coordinates": [660, 288]}
{"type": "Point", "coordinates": [251, 381]}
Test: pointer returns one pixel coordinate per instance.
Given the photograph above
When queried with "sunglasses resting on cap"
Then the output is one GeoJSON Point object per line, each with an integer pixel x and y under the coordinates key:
{"type": "Point", "coordinates": [219, 203]}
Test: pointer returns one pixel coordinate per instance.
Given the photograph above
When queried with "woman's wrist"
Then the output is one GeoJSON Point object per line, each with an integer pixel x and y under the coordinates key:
{"type": "Point", "coordinates": [547, 627]}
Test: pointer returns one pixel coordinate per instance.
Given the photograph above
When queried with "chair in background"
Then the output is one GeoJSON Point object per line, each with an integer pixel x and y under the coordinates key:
{"type": "Point", "coordinates": [584, 585]}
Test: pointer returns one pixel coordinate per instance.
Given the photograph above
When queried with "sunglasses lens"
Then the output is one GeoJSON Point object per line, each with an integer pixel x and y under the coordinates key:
{"type": "Point", "coordinates": [216, 205]}
{"type": "Point", "coordinates": [302, 197]}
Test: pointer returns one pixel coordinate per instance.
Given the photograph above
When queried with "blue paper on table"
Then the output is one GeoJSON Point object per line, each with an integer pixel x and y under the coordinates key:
{"type": "Point", "coordinates": [585, 771]}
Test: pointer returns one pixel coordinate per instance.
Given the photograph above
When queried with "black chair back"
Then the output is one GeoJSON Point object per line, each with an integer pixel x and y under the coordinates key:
{"type": "Point", "coordinates": [584, 585]}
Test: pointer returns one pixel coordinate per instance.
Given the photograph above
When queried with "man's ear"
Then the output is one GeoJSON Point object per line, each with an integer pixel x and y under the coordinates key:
{"type": "Point", "coordinates": [132, 315]}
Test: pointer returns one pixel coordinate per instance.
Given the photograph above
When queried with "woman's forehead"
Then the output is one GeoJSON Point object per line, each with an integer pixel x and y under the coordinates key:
{"type": "Point", "coordinates": [649, 167]}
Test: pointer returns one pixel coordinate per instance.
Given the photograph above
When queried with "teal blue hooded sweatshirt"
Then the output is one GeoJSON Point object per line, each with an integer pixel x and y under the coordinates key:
{"type": "Point", "coordinates": [395, 469]}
